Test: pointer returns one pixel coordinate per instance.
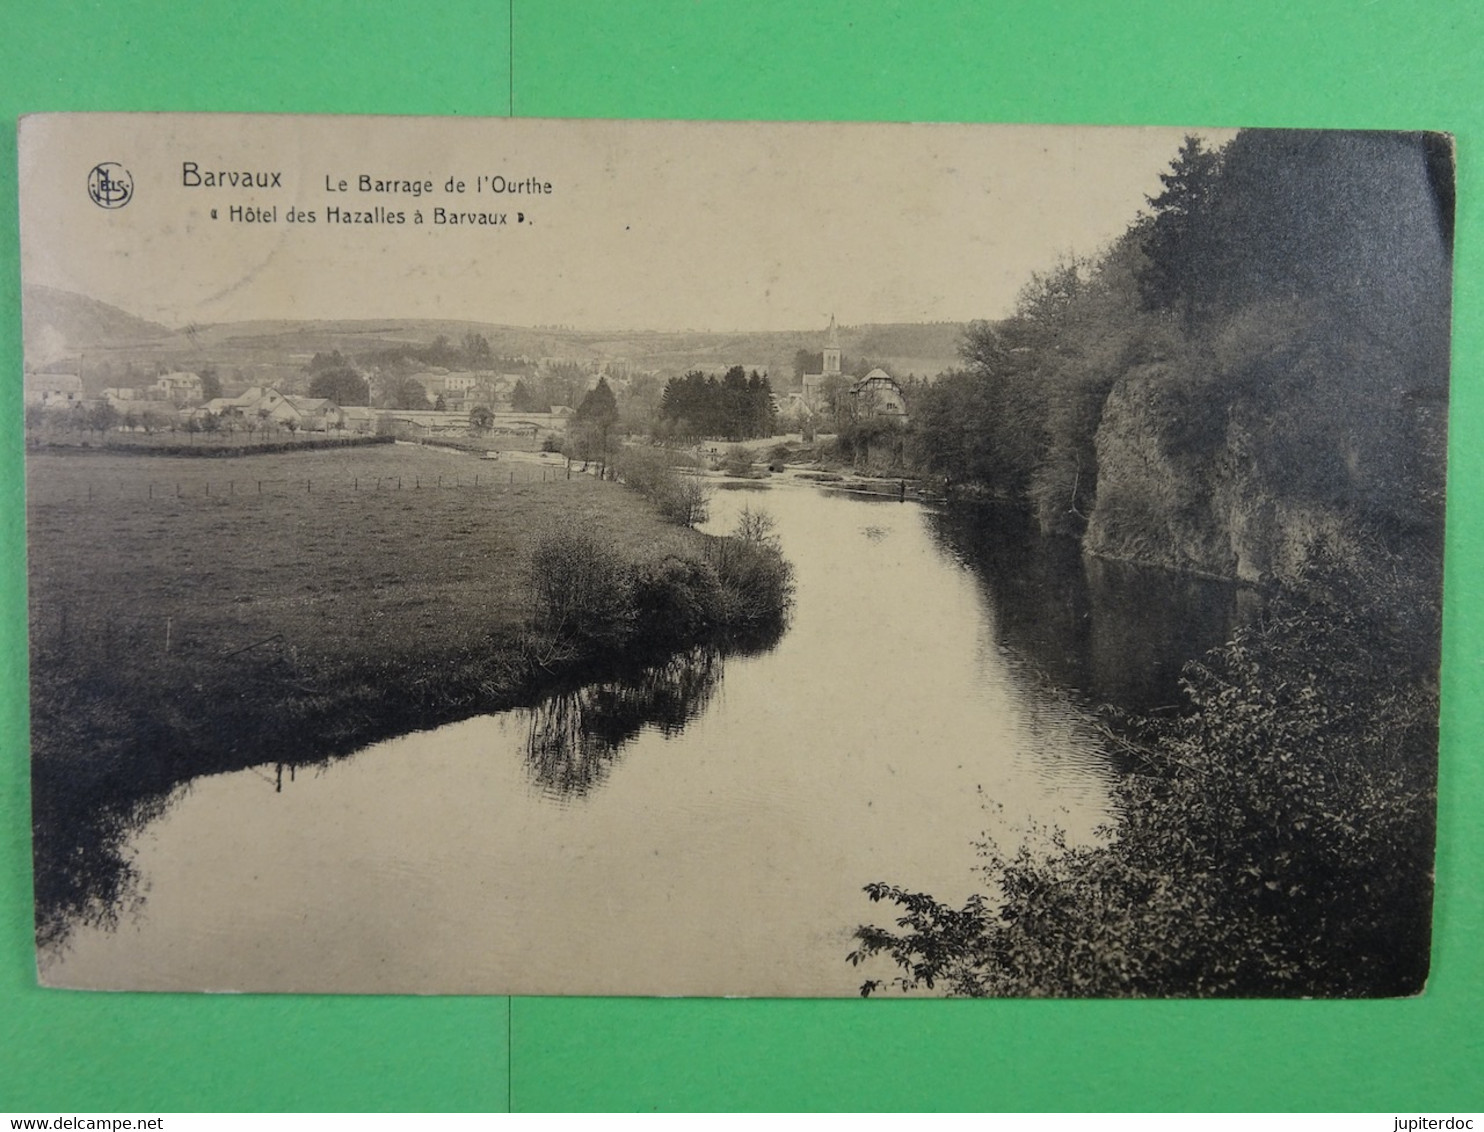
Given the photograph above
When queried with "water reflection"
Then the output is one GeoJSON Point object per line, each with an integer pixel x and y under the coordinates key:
{"type": "Point", "coordinates": [1117, 634]}
{"type": "Point", "coordinates": [644, 834]}
{"type": "Point", "coordinates": [84, 872]}
{"type": "Point", "coordinates": [574, 736]}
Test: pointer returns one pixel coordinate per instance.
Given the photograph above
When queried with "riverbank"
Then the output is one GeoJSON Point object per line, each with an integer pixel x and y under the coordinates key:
{"type": "Point", "coordinates": [193, 633]}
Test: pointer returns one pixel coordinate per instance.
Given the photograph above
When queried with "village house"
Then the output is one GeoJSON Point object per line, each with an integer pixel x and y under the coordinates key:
{"type": "Point", "coordinates": [180, 387]}
{"type": "Point", "coordinates": [52, 389]}
{"type": "Point", "coordinates": [878, 395]}
{"type": "Point", "coordinates": [316, 414]}
{"type": "Point", "coordinates": [269, 407]}
{"type": "Point", "coordinates": [359, 419]}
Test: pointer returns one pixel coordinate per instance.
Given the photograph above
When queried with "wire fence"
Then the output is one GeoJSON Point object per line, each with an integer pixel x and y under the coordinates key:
{"type": "Point", "coordinates": [42, 492]}
{"type": "Point", "coordinates": [64, 628]}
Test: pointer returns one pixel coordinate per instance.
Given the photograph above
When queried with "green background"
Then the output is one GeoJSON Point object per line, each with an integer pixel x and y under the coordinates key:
{"type": "Point", "coordinates": [1385, 64]}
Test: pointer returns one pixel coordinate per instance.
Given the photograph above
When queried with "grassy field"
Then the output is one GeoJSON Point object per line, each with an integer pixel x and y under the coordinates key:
{"type": "Point", "coordinates": [344, 554]}
{"type": "Point", "coordinates": [181, 634]}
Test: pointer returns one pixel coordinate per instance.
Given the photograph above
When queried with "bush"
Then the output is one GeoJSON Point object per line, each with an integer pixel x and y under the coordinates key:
{"type": "Point", "coordinates": [678, 497]}
{"type": "Point", "coordinates": [738, 461]}
{"type": "Point", "coordinates": [676, 598]}
{"type": "Point", "coordinates": [588, 598]}
{"type": "Point", "coordinates": [685, 501]}
{"type": "Point", "coordinates": [756, 580]}
{"type": "Point", "coordinates": [1275, 841]}
{"type": "Point", "coordinates": [583, 590]}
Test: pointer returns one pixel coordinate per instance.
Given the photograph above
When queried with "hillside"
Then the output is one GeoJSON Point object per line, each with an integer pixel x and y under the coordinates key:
{"type": "Point", "coordinates": [57, 322]}
{"type": "Point", "coordinates": [59, 325]}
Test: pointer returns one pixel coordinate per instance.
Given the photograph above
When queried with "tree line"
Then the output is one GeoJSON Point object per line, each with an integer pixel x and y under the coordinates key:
{"type": "Point", "coordinates": [1251, 382]}
{"type": "Point", "coordinates": [1274, 329]}
{"type": "Point", "coordinates": [737, 406]}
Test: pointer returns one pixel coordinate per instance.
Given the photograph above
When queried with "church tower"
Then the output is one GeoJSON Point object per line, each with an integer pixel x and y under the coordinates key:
{"type": "Point", "coordinates": [832, 351]}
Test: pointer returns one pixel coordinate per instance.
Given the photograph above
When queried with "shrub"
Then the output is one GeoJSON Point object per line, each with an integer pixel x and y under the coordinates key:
{"type": "Point", "coordinates": [738, 461]}
{"type": "Point", "coordinates": [678, 497]}
{"type": "Point", "coordinates": [756, 580]}
{"type": "Point", "coordinates": [1276, 840]}
{"type": "Point", "coordinates": [685, 500]}
{"type": "Point", "coordinates": [583, 590]}
{"type": "Point", "coordinates": [675, 598]}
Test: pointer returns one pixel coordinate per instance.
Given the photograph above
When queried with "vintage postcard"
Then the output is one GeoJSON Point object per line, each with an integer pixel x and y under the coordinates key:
{"type": "Point", "coordinates": [661, 558]}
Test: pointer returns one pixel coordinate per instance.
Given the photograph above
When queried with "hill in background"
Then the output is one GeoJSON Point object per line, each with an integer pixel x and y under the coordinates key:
{"type": "Point", "coordinates": [109, 346]}
{"type": "Point", "coordinates": [59, 323]}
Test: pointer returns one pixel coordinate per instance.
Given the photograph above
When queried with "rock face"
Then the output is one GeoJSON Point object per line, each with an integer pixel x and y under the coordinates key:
{"type": "Point", "coordinates": [1155, 503]}
{"type": "Point", "coordinates": [1296, 401]}
{"type": "Point", "coordinates": [1252, 496]}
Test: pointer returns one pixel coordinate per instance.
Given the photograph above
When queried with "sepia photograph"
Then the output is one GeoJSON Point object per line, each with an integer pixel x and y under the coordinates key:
{"type": "Point", "coordinates": [570, 557]}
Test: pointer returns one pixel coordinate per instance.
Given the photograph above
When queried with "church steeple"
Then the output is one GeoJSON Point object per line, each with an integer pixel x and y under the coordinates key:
{"type": "Point", "coordinates": [832, 351]}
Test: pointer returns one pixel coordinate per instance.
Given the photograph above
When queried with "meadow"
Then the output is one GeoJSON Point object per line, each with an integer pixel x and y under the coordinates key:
{"type": "Point", "coordinates": [347, 554]}
{"type": "Point", "coordinates": [182, 626]}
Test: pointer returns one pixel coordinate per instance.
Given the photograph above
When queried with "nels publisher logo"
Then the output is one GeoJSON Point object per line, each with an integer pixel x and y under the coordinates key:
{"type": "Point", "coordinates": [110, 185]}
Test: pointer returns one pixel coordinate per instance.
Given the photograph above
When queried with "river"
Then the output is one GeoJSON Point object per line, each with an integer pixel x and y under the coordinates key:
{"type": "Point", "coordinates": [700, 828]}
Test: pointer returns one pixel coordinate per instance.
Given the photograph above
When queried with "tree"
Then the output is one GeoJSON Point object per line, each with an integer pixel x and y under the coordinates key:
{"type": "Point", "coordinates": [477, 354]}
{"type": "Point", "coordinates": [1178, 242]}
{"type": "Point", "coordinates": [526, 398]}
{"type": "Point", "coordinates": [323, 362]}
{"type": "Point", "coordinates": [599, 407]}
{"type": "Point", "coordinates": [639, 410]}
{"type": "Point", "coordinates": [481, 417]}
{"type": "Point", "coordinates": [102, 417]}
{"type": "Point", "coordinates": [737, 407]}
{"type": "Point", "coordinates": [341, 384]}
{"type": "Point", "coordinates": [1274, 841]}
{"type": "Point", "coordinates": [211, 383]}
{"type": "Point", "coordinates": [562, 382]}
{"type": "Point", "coordinates": [806, 361]}
{"type": "Point", "coordinates": [405, 393]}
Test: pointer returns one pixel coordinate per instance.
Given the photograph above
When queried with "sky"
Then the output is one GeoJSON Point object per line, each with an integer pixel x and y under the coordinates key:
{"type": "Point", "coordinates": [646, 225]}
